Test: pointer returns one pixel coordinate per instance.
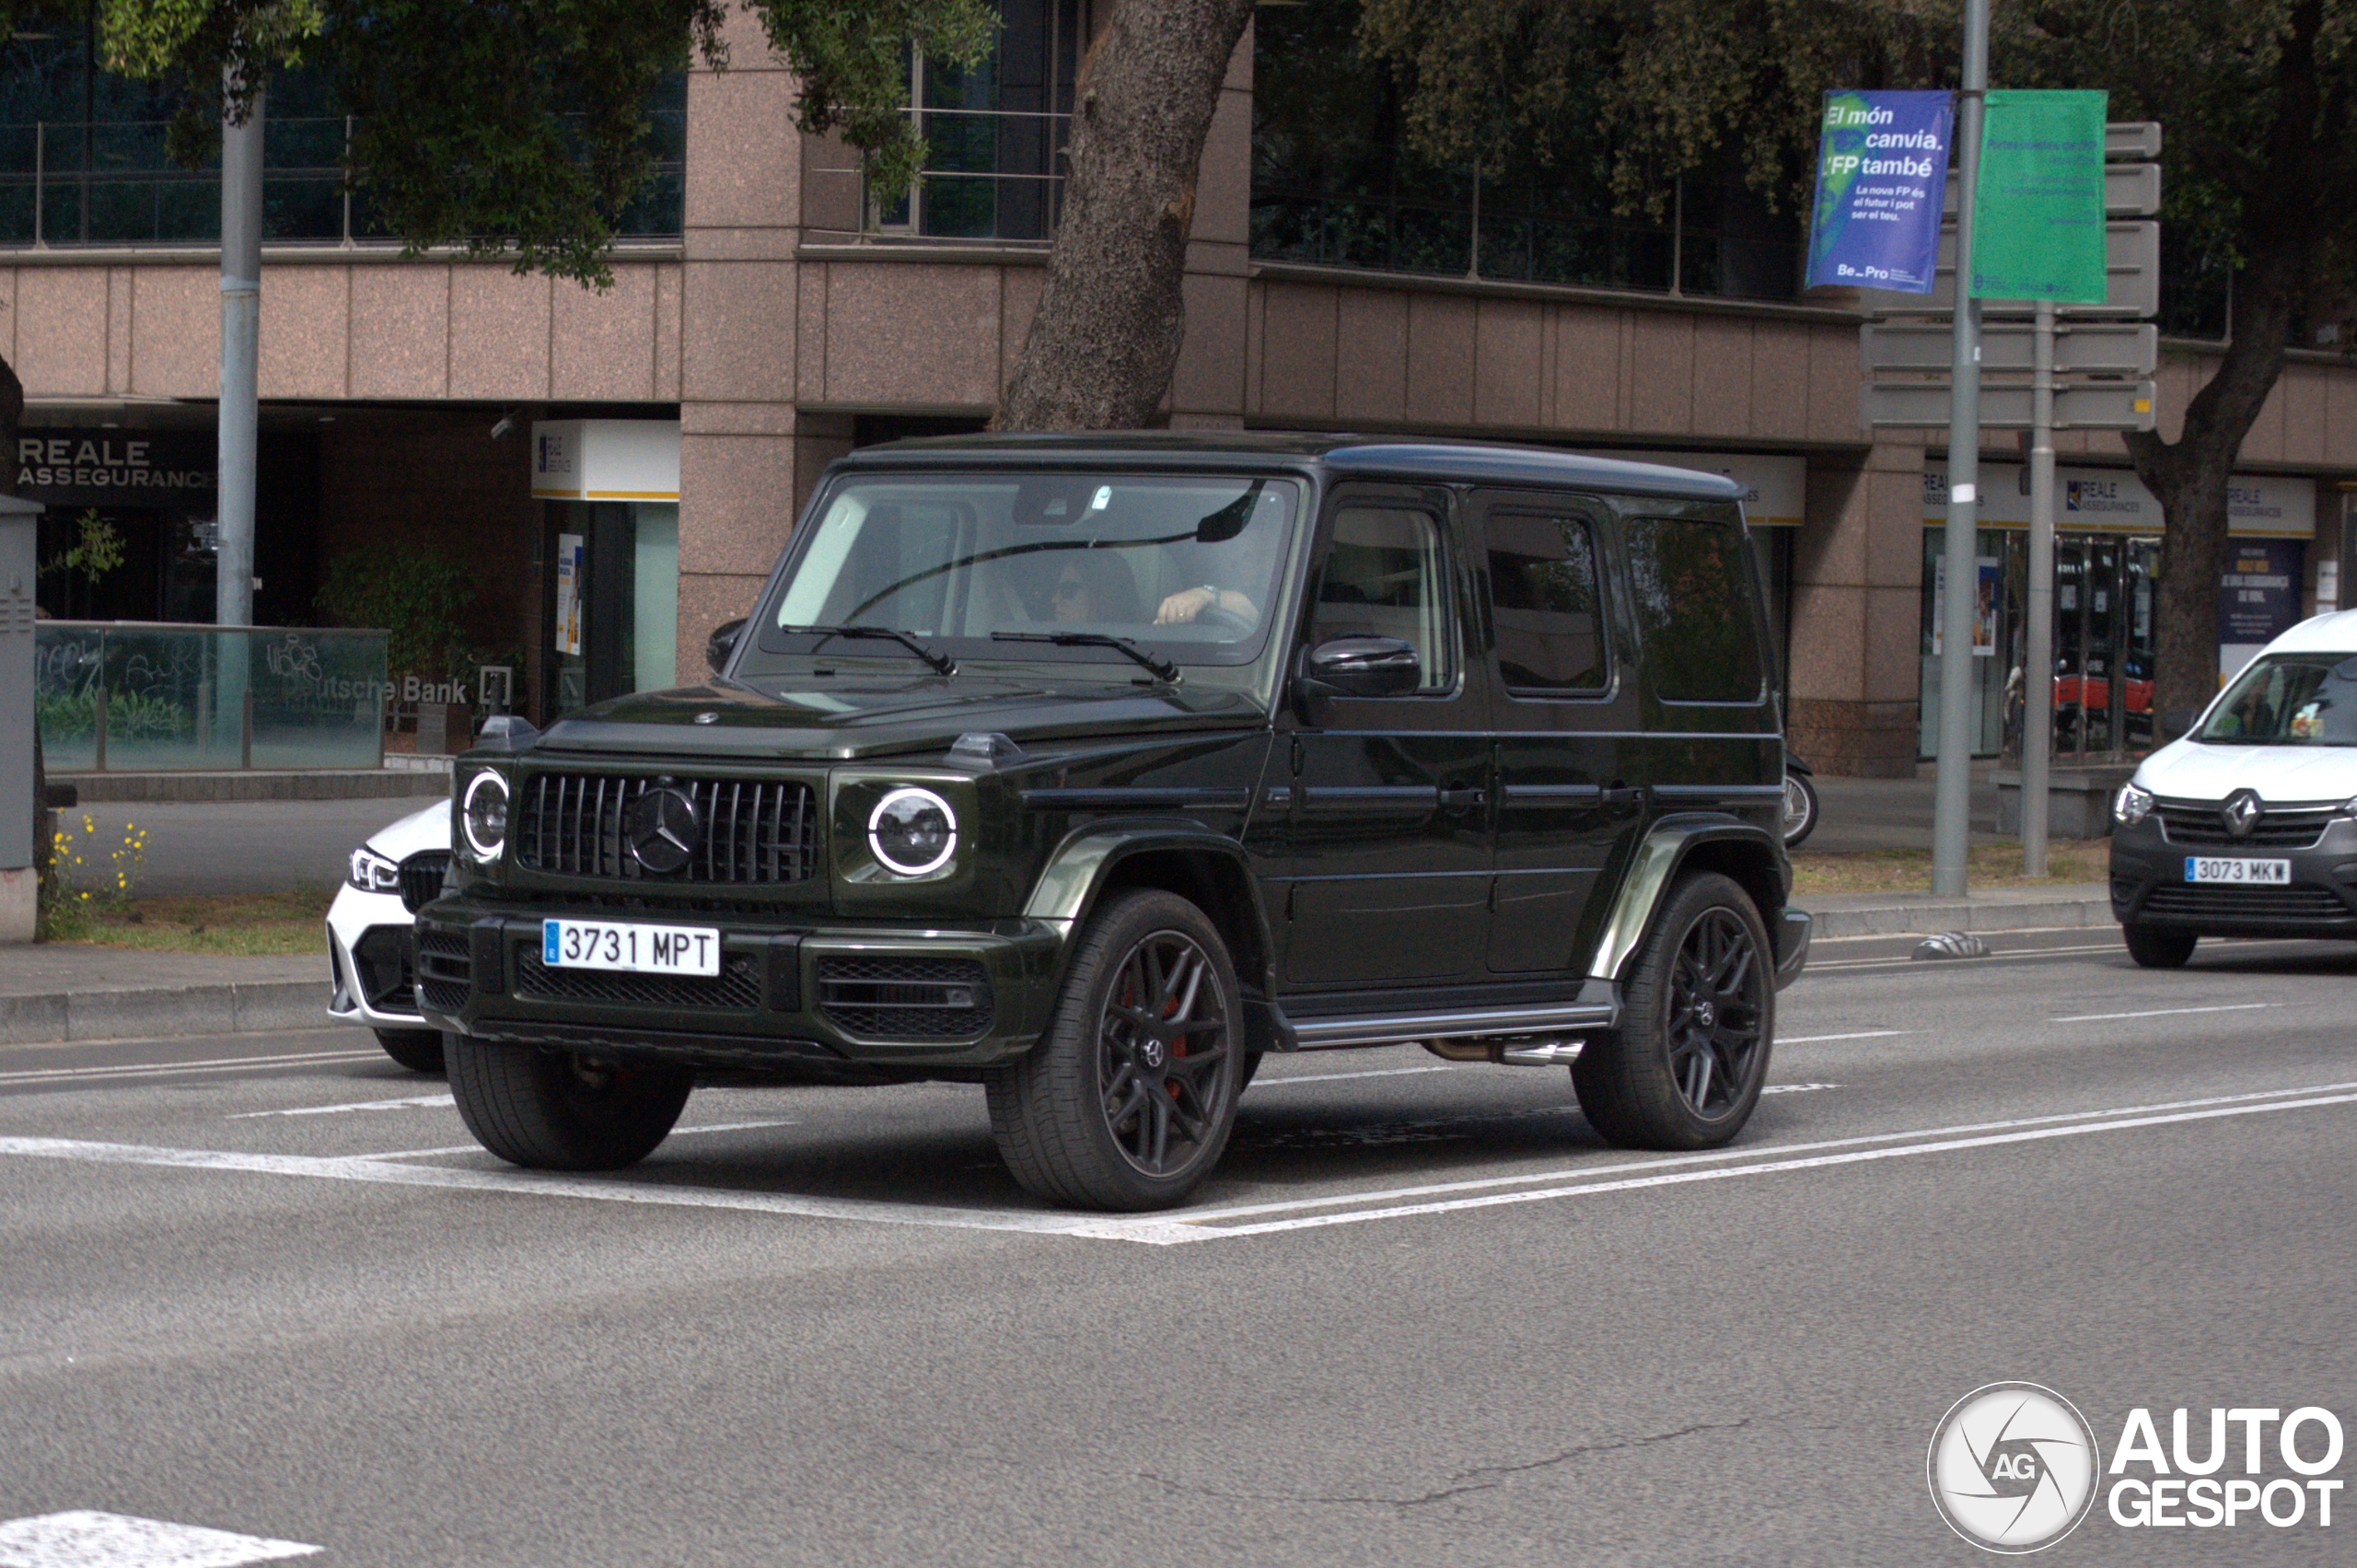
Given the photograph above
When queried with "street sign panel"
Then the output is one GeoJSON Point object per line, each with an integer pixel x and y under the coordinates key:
{"type": "Point", "coordinates": [2081, 348]}
{"type": "Point", "coordinates": [2098, 405]}
{"type": "Point", "coordinates": [2133, 138]}
{"type": "Point", "coordinates": [2132, 276]}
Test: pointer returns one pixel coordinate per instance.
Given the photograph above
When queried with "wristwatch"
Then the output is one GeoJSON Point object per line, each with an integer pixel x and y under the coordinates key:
{"type": "Point", "coordinates": [1213, 590]}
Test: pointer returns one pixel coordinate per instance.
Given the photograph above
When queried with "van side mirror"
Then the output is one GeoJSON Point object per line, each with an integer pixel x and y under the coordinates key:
{"type": "Point", "coordinates": [722, 643]}
{"type": "Point", "coordinates": [1359, 667]}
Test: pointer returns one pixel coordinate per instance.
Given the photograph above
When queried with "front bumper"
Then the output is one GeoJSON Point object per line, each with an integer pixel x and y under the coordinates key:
{"type": "Point", "coordinates": [789, 994]}
{"type": "Point", "coordinates": [2149, 889]}
{"type": "Point", "coordinates": [372, 961]}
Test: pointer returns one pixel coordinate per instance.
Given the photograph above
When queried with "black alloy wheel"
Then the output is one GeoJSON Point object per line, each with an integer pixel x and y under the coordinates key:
{"type": "Point", "coordinates": [1127, 1100]}
{"type": "Point", "coordinates": [1697, 1022]}
{"type": "Point", "coordinates": [1714, 1013]}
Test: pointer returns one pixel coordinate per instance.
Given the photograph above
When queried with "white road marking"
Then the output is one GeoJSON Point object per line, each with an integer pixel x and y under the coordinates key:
{"type": "Point", "coordinates": [1860, 1034]}
{"type": "Point", "coordinates": [2164, 1013]}
{"type": "Point", "coordinates": [212, 1065]}
{"type": "Point", "coordinates": [412, 1102]}
{"type": "Point", "coordinates": [1766, 1167]}
{"type": "Point", "coordinates": [1211, 1225]}
{"type": "Point", "coordinates": [84, 1539]}
{"type": "Point", "coordinates": [1371, 1073]}
{"type": "Point", "coordinates": [477, 1148]}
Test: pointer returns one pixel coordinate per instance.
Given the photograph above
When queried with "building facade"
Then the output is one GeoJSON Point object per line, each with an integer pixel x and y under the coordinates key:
{"type": "Point", "coordinates": [786, 316]}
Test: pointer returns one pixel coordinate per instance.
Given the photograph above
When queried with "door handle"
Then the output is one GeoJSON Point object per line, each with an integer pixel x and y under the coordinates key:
{"type": "Point", "coordinates": [1460, 795]}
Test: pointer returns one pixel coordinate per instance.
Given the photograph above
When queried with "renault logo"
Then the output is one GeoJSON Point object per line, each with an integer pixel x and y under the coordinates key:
{"type": "Point", "coordinates": [2242, 812]}
{"type": "Point", "coordinates": [661, 828]}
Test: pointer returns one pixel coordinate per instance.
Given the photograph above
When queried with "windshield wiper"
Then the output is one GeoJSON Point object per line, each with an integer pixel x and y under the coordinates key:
{"type": "Point", "coordinates": [1154, 662]}
{"type": "Point", "coordinates": [940, 664]}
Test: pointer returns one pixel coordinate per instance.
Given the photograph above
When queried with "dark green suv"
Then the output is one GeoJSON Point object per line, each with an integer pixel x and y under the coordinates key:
{"type": "Point", "coordinates": [1092, 769]}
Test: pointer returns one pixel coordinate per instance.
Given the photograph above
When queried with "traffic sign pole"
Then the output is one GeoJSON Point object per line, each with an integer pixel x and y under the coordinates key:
{"type": "Point", "coordinates": [1952, 792]}
{"type": "Point", "coordinates": [2038, 661]}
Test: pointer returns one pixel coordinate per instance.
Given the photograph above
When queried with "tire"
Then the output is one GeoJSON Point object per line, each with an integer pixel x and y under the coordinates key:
{"type": "Point", "coordinates": [2153, 949]}
{"type": "Point", "coordinates": [1800, 809]}
{"type": "Point", "coordinates": [561, 1110]}
{"type": "Point", "coordinates": [1100, 1114]}
{"type": "Point", "coordinates": [420, 1051]}
{"type": "Point", "coordinates": [1669, 1079]}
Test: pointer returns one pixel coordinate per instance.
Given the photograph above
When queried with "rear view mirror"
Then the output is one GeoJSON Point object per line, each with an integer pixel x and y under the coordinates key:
{"type": "Point", "coordinates": [722, 643]}
{"type": "Point", "coordinates": [1360, 667]}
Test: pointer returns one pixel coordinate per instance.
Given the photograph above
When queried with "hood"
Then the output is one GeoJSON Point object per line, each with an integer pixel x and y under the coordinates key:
{"type": "Point", "coordinates": [2191, 770]}
{"type": "Point", "coordinates": [428, 827]}
{"type": "Point", "coordinates": [842, 719]}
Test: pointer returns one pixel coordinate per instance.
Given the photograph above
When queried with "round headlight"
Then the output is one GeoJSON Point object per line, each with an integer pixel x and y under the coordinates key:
{"type": "Point", "coordinates": [483, 814]}
{"type": "Point", "coordinates": [913, 832]}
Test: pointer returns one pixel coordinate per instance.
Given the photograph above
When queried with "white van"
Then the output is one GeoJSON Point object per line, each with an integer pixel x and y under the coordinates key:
{"type": "Point", "coordinates": [2247, 826]}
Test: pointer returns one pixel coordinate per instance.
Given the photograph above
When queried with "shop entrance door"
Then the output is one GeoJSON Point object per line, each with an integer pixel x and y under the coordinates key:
{"type": "Point", "coordinates": [2103, 642]}
{"type": "Point", "coordinates": [611, 600]}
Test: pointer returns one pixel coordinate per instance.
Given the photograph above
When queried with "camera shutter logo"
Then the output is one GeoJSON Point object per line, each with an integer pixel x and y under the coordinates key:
{"type": "Point", "coordinates": [2012, 1467]}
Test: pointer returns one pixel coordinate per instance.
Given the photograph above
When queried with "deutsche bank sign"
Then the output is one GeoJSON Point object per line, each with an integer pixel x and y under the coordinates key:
{"type": "Point", "coordinates": [1882, 170]}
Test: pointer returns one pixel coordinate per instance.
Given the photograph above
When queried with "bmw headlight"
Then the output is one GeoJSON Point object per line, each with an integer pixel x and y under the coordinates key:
{"type": "Point", "coordinates": [913, 832]}
{"type": "Point", "coordinates": [483, 815]}
{"type": "Point", "coordinates": [2133, 804]}
{"type": "Point", "coordinates": [372, 873]}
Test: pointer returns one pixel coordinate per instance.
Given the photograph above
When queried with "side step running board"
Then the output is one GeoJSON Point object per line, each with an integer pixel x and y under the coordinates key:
{"type": "Point", "coordinates": [1483, 1023]}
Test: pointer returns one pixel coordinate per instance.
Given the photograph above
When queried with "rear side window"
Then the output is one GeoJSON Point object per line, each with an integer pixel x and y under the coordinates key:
{"type": "Point", "coordinates": [1690, 586]}
{"type": "Point", "coordinates": [1544, 606]}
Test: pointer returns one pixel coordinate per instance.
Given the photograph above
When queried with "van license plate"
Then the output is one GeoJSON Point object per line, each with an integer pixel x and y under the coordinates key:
{"type": "Point", "coordinates": [635, 949]}
{"type": "Point", "coordinates": [2258, 873]}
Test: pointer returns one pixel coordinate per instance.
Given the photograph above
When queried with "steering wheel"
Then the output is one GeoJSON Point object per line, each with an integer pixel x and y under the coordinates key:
{"type": "Point", "coordinates": [1221, 616]}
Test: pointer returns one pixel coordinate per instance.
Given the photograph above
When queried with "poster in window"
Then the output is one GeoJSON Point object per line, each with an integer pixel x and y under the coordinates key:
{"type": "Point", "coordinates": [568, 595]}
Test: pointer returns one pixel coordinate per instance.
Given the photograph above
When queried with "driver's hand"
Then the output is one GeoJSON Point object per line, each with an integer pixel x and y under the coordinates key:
{"type": "Point", "coordinates": [1184, 606]}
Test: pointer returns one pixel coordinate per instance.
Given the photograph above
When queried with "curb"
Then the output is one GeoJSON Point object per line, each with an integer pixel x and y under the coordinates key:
{"type": "Point", "coordinates": [1924, 919]}
{"type": "Point", "coordinates": [137, 1012]}
{"type": "Point", "coordinates": [359, 784]}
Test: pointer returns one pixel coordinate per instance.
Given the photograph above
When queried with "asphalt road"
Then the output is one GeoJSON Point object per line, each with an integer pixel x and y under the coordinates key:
{"type": "Point", "coordinates": [1422, 1316]}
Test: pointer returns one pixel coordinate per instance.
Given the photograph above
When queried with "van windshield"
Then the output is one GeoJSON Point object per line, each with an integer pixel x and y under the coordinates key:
{"type": "Point", "coordinates": [989, 566]}
{"type": "Point", "coordinates": [2288, 699]}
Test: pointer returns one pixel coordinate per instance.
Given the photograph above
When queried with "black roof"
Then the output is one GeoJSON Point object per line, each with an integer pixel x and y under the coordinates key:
{"type": "Point", "coordinates": [1387, 456]}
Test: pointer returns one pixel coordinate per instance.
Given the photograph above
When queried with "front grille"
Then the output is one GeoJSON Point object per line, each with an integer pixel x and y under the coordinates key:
{"type": "Point", "coordinates": [749, 830]}
{"type": "Point", "coordinates": [2197, 822]}
{"type": "Point", "coordinates": [2226, 904]}
{"type": "Point", "coordinates": [736, 986]}
{"type": "Point", "coordinates": [445, 970]}
{"type": "Point", "coordinates": [898, 997]}
{"type": "Point", "coordinates": [386, 962]}
{"type": "Point", "coordinates": [422, 876]}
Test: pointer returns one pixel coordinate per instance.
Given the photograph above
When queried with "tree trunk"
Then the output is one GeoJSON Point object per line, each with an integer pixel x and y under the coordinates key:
{"type": "Point", "coordinates": [2189, 477]}
{"type": "Point", "coordinates": [1106, 333]}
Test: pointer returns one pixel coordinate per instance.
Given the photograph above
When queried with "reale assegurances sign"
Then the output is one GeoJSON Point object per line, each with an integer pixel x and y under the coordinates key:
{"type": "Point", "coordinates": [1882, 172]}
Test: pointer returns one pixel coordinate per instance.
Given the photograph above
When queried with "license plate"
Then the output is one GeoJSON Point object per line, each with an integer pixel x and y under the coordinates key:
{"type": "Point", "coordinates": [636, 949]}
{"type": "Point", "coordinates": [2262, 873]}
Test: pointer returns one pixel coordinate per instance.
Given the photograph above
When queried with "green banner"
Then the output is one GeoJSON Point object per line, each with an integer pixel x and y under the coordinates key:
{"type": "Point", "coordinates": [2038, 216]}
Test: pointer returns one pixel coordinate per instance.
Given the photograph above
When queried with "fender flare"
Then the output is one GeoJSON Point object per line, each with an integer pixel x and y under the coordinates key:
{"type": "Point", "coordinates": [1664, 851]}
{"type": "Point", "coordinates": [1066, 891]}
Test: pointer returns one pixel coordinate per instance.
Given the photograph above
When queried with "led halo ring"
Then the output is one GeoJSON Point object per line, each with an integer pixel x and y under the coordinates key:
{"type": "Point", "coordinates": [467, 815]}
{"type": "Point", "coordinates": [875, 842]}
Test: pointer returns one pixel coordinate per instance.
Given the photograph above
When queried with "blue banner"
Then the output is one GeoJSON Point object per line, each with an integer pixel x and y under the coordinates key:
{"type": "Point", "coordinates": [1882, 172]}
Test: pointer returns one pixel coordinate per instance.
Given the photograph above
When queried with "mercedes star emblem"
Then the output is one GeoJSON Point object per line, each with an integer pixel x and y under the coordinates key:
{"type": "Point", "coordinates": [662, 829]}
{"type": "Point", "coordinates": [2242, 812]}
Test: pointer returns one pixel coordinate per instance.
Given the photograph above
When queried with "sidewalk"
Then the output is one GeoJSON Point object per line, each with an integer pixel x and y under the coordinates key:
{"type": "Point", "coordinates": [57, 991]}
{"type": "Point", "coordinates": [1999, 909]}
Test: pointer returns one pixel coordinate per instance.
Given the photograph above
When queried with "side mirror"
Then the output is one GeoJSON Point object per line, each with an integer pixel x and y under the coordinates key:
{"type": "Point", "coordinates": [722, 643]}
{"type": "Point", "coordinates": [1359, 667]}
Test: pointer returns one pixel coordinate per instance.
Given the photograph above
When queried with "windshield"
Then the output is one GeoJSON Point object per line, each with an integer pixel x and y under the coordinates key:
{"type": "Point", "coordinates": [989, 566]}
{"type": "Point", "coordinates": [2289, 700]}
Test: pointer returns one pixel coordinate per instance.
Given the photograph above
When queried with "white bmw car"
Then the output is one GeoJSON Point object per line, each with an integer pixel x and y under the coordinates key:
{"type": "Point", "coordinates": [372, 942]}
